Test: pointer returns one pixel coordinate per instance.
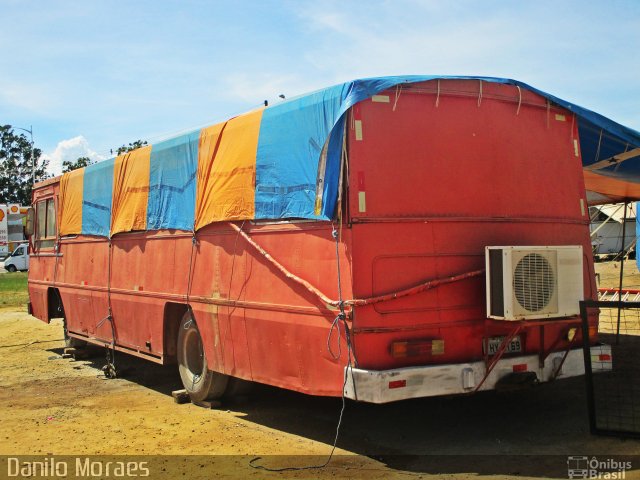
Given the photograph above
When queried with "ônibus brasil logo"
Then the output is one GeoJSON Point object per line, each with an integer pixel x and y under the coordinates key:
{"type": "Point", "coordinates": [593, 467]}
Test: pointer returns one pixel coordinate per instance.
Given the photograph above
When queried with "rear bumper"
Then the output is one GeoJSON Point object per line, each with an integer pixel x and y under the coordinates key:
{"type": "Point", "coordinates": [383, 386]}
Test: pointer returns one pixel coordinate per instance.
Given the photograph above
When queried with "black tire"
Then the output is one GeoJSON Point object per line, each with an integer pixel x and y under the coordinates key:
{"type": "Point", "coordinates": [12, 269]}
{"type": "Point", "coordinates": [199, 382]}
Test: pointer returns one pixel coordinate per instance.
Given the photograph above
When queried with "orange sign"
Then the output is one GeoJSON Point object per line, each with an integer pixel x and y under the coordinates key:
{"type": "Point", "coordinates": [4, 233]}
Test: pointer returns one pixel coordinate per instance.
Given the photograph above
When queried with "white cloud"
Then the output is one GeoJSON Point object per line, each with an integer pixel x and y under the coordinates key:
{"type": "Point", "coordinates": [70, 150]}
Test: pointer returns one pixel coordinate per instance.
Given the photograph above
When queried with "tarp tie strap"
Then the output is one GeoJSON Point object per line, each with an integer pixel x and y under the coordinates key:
{"type": "Point", "coordinates": [110, 370]}
{"type": "Point", "coordinates": [421, 287]}
{"type": "Point", "coordinates": [398, 92]}
{"type": "Point", "coordinates": [194, 242]}
{"type": "Point", "coordinates": [599, 145]}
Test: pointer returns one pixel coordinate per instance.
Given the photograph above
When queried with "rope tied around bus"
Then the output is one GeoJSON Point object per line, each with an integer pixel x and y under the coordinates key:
{"type": "Point", "coordinates": [356, 302]}
{"type": "Point", "coordinates": [335, 325]}
{"type": "Point", "coordinates": [341, 317]}
{"type": "Point", "coordinates": [110, 370]}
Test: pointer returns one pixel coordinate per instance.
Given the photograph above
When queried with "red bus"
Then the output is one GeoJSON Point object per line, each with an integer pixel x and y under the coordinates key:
{"type": "Point", "coordinates": [393, 238]}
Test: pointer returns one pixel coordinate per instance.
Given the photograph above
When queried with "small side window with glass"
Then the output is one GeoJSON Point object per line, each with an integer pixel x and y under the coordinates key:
{"type": "Point", "coordinates": [45, 224]}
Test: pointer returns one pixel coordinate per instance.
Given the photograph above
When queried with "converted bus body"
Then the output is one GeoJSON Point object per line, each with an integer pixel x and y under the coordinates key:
{"type": "Point", "coordinates": [433, 174]}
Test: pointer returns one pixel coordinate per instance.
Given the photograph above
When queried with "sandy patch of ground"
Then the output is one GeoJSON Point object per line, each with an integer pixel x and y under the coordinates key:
{"type": "Point", "coordinates": [51, 405]}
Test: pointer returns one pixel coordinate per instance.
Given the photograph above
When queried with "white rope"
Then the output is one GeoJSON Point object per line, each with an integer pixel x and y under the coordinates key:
{"type": "Point", "coordinates": [438, 94]}
{"type": "Point", "coordinates": [519, 100]}
{"type": "Point", "coordinates": [548, 113]}
{"type": "Point", "coordinates": [398, 93]}
{"type": "Point", "coordinates": [626, 149]}
{"type": "Point", "coordinates": [480, 94]}
{"type": "Point", "coordinates": [573, 122]}
{"type": "Point", "coordinates": [599, 144]}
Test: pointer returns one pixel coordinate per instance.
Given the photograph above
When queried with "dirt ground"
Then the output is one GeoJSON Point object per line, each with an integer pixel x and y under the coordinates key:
{"type": "Point", "coordinates": [58, 406]}
{"type": "Point", "coordinates": [608, 274]}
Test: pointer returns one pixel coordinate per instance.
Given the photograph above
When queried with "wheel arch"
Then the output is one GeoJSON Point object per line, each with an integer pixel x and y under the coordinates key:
{"type": "Point", "coordinates": [54, 307]}
{"type": "Point", "coordinates": [173, 313]}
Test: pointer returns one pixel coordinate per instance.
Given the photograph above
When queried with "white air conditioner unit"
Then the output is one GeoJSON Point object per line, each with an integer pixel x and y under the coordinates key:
{"type": "Point", "coordinates": [534, 282]}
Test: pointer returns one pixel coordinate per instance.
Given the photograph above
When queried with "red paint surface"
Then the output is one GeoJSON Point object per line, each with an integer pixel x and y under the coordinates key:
{"type": "Point", "coordinates": [442, 183]}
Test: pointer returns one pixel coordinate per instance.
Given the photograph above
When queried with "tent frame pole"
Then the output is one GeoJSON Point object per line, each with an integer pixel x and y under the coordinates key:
{"type": "Point", "coordinates": [622, 255]}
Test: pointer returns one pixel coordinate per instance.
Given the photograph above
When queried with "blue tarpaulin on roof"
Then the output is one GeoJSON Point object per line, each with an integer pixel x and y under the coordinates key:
{"type": "Point", "coordinates": [172, 183]}
{"type": "Point", "coordinates": [600, 138]}
{"type": "Point", "coordinates": [292, 136]}
{"type": "Point", "coordinates": [96, 203]}
{"type": "Point", "coordinates": [291, 181]}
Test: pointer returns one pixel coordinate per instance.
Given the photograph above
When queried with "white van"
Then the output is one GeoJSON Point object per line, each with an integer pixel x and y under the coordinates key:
{"type": "Point", "coordinates": [18, 260]}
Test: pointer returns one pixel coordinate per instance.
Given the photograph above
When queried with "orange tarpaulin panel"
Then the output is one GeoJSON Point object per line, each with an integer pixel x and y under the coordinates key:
{"type": "Point", "coordinates": [130, 191]}
{"type": "Point", "coordinates": [209, 142]}
{"type": "Point", "coordinates": [71, 194]}
{"type": "Point", "coordinates": [226, 170]}
{"type": "Point", "coordinates": [610, 190]}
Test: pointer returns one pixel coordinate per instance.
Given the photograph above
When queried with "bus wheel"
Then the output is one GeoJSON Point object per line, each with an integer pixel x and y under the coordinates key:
{"type": "Point", "coordinates": [199, 382]}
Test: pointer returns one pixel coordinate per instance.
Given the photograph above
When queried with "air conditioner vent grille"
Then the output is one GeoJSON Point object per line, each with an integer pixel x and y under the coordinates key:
{"type": "Point", "coordinates": [533, 282]}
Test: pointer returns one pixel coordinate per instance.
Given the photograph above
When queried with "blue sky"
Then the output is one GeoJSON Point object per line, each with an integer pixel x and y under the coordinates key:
{"type": "Point", "coordinates": [92, 75]}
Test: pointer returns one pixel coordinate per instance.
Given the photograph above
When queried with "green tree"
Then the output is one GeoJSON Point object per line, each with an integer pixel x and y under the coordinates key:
{"type": "Point", "coordinates": [131, 146]}
{"type": "Point", "coordinates": [16, 161]}
{"type": "Point", "coordinates": [80, 162]}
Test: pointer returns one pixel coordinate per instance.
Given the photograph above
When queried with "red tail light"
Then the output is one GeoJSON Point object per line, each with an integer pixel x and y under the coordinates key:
{"type": "Point", "coordinates": [413, 348]}
{"type": "Point", "coordinates": [520, 367]}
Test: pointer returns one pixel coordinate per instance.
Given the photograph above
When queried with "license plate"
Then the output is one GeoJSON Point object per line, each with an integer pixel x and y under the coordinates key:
{"type": "Point", "coordinates": [494, 343]}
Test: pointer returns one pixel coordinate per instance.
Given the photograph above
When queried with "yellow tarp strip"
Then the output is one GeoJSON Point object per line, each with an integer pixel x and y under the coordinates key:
{"type": "Point", "coordinates": [71, 191]}
{"type": "Point", "coordinates": [130, 191]}
{"type": "Point", "coordinates": [226, 170]}
{"type": "Point", "coordinates": [209, 142]}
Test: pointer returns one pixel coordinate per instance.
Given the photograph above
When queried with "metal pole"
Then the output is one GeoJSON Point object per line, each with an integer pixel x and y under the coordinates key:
{"type": "Point", "coordinates": [588, 368]}
{"type": "Point", "coordinates": [624, 234]}
{"type": "Point", "coordinates": [33, 158]}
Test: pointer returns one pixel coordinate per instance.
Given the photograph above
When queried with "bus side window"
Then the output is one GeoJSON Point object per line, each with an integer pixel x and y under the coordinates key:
{"type": "Point", "coordinates": [46, 224]}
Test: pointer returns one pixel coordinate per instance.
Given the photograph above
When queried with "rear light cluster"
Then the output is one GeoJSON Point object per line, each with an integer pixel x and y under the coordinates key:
{"type": "Point", "coordinates": [415, 348]}
{"type": "Point", "coordinates": [593, 333]}
{"type": "Point", "coordinates": [603, 357]}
